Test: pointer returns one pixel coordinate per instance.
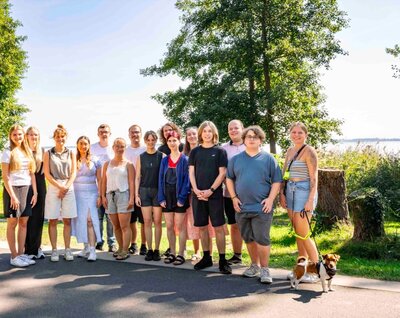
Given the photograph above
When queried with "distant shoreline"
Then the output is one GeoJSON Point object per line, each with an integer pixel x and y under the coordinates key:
{"type": "Point", "coordinates": [367, 140]}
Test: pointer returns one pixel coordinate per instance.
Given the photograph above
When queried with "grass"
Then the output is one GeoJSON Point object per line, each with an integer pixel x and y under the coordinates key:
{"type": "Point", "coordinates": [379, 259]}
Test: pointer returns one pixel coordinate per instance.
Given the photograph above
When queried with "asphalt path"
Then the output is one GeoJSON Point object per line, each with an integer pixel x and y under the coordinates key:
{"type": "Point", "coordinates": [121, 289]}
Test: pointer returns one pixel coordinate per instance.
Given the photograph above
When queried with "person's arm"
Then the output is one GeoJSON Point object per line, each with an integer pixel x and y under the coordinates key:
{"type": "Point", "coordinates": [98, 179]}
{"type": "Point", "coordinates": [72, 176]}
{"type": "Point", "coordinates": [137, 182]}
{"type": "Point", "coordinates": [131, 182]}
{"type": "Point", "coordinates": [312, 165]}
{"type": "Point", "coordinates": [185, 187]}
{"type": "Point", "coordinates": [34, 188]}
{"type": "Point", "coordinates": [192, 178]}
{"type": "Point", "coordinates": [230, 184]}
{"type": "Point", "coordinates": [104, 185]}
{"type": "Point", "coordinates": [46, 170]}
{"type": "Point", "coordinates": [161, 183]}
{"type": "Point", "coordinates": [268, 203]}
{"type": "Point", "coordinates": [14, 204]}
{"type": "Point", "coordinates": [217, 182]}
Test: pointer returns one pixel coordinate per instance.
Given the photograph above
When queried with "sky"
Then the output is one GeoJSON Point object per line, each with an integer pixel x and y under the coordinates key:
{"type": "Point", "coordinates": [85, 56]}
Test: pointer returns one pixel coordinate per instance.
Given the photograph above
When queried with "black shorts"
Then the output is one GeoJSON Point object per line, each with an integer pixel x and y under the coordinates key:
{"type": "Point", "coordinates": [213, 209]}
{"type": "Point", "coordinates": [148, 197]}
{"type": "Point", "coordinates": [229, 210]}
{"type": "Point", "coordinates": [172, 202]}
{"type": "Point", "coordinates": [137, 215]}
{"type": "Point", "coordinates": [11, 213]}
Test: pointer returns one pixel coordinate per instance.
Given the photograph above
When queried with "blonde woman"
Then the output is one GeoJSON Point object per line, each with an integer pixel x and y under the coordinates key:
{"type": "Point", "coordinates": [118, 194]}
{"type": "Point", "coordinates": [35, 222]}
{"type": "Point", "coordinates": [60, 170]}
{"type": "Point", "coordinates": [20, 193]}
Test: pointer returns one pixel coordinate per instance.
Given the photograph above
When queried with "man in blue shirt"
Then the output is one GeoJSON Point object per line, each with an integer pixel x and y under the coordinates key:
{"type": "Point", "coordinates": [253, 181]}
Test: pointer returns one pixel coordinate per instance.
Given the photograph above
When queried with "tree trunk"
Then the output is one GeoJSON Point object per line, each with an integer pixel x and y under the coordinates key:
{"type": "Point", "coordinates": [367, 209]}
{"type": "Point", "coordinates": [332, 203]}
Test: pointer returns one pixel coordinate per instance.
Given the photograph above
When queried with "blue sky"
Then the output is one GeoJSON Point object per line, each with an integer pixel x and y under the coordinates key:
{"type": "Point", "coordinates": [85, 57]}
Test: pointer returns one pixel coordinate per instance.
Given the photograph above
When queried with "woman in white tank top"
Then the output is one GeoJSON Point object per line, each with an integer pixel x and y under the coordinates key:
{"type": "Point", "coordinates": [117, 191]}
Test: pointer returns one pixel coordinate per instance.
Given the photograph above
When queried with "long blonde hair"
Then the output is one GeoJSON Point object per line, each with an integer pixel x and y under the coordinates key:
{"type": "Point", "coordinates": [37, 153]}
{"type": "Point", "coordinates": [15, 160]}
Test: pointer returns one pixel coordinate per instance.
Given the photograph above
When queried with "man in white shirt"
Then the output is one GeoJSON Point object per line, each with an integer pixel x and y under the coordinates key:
{"type": "Point", "coordinates": [102, 152]}
{"type": "Point", "coordinates": [132, 152]}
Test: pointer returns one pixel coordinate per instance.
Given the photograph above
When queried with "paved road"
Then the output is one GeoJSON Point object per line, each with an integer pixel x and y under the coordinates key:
{"type": "Point", "coordinates": [120, 289]}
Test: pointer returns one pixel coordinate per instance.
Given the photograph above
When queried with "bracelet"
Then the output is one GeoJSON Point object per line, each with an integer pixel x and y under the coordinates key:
{"type": "Point", "coordinates": [235, 196]}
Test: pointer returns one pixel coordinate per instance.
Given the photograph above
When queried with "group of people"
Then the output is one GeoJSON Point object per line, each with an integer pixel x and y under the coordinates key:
{"type": "Point", "coordinates": [196, 185]}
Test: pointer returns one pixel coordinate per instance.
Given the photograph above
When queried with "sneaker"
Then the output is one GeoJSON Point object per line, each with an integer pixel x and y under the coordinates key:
{"type": "Point", "coordinates": [310, 279]}
{"type": "Point", "coordinates": [54, 256]}
{"type": "Point", "coordinates": [203, 263]}
{"type": "Point", "coordinates": [143, 249]}
{"type": "Point", "coordinates": [133, 249]}
{"type": "Point", "coordinates": [18, 262]}
{"type": "Point", "coordinates": [156, 255]}
{"type": "Point", "coordinates": [99, 246]}
{"type": "Point", "coordinates": [235, 260]}
{"type": "Point", "coordinates": [290, 276]}
{"type": "Point", "coordinates": [149, 255]}
{"type": "Point", "coordinates": [265, 276]}
{"type": "Point", "coordinates": [68, 255]}
{"type": "Point", "coordinates": [92, 254]}
{"type": "Point", "coordinates": [224, 267]}
{"type": "Point", "coordinates": [84, 253]}
{"type": "Point", "coordinates": [40, 254]}
{"type": "Point", "coordinates": [112, 248]}
{"type": "Point", "coordinates": [252, 271]}
{"type": "Point", "coordinates": [27, 259]}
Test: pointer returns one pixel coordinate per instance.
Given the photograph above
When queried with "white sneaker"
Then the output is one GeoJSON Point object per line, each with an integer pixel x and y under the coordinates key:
{"type": "Point", "coordinates": [310, 278]}
{"type": "Point", "coordinates": [252, 271]}
{"type": "Point", "coordinates": [290, 276]}
{"type": "Point", "coordinates": [40, 254]}
{"type": "Point", "coordinates": [18, 262]}
{"type": "Point", "coordinates": [92, 254]}
{"type": "Point", "coordinates": [54, 256]}
{"type": "Point", "coordinates": [68, 255]}
{"type": "Point", "coordinates": [27, 259]}
{"type": "Point", "coordinates": [265, 276]}
{"type": "Point", "coordinates": [85, 252]}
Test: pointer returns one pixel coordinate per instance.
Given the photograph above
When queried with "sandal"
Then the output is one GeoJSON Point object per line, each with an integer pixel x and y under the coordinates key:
{"type": "Point", "coordinates": [179, 260]}
{"type": "Point", "coordinates": [169, 259]}
{"type": "Point", "coordinates": [116, 253]}
{"type": "Point", "coordinates": [122, 256]}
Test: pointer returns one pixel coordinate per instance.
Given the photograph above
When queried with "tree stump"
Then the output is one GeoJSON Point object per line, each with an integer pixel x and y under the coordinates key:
{"type": "Point", "coordinates": [367, 208]}
{"type": "Point", "coordinates": [332, 203]}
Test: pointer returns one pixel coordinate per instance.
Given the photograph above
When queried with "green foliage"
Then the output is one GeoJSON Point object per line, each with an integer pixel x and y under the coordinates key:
{"type": "Point", "coordinates": [365, 167]}
{"type": "Point", "coordinates": [254, 60]}
{"type": "Point", "coordinates": [12, 67]}
{"type": "Point", "coordinates": [395, 52]}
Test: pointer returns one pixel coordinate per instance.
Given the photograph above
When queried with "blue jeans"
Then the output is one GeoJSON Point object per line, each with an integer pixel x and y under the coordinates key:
{"type": "Point", "coordinates": [110, 233]}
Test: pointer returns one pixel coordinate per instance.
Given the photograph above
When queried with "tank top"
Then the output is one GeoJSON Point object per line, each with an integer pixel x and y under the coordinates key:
{"type": "Point", "coordinates": [117, 177]}
{"type": "Point", "coordinates": [149, 169]}
{"type": "Point", "coordinates": [299, 170]}
{"type": "Point", "coordinates": [60, 164]}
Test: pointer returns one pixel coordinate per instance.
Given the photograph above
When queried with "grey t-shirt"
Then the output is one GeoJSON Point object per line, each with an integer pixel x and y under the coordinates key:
{"type": "Point", "coordinates": [253, 177]}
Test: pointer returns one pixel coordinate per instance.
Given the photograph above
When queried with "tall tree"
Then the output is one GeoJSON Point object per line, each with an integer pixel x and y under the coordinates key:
{"type": "Point", "coordinates": [12, 68]}
{"type": "Point", "coordinates": [396, 53]}
{"type": "Point", "coordinates": [256, 60]}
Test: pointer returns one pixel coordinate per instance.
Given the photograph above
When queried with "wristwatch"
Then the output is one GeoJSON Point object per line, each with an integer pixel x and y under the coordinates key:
{"type": "Point", "coordinates": [212, 189]}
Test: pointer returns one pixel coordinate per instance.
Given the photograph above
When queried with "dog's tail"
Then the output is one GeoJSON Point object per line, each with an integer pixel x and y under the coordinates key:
{"type": "Point", "coordinates": [302, 261]}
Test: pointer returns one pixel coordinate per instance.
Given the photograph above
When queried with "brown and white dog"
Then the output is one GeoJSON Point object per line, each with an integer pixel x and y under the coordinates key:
{"type": "Point", "coordinates": [325, 269]}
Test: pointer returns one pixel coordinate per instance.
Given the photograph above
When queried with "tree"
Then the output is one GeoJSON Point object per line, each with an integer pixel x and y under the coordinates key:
{"type": "Point", "coordinates": [12, 68]}
{"type": "Point", "coordinates": [256, 60]}
{"type": "Point", "coordinates": [396, 53]}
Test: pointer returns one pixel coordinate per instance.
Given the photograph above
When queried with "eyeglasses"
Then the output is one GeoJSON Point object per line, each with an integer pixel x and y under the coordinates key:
{"type": "Point", "coordinates": [252, 137]}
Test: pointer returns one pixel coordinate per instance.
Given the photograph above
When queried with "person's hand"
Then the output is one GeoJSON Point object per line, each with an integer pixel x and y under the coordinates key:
{"type": "Point", "coordinates": [179, 204]}
{"type": "Point", "coordinates": [98, 202]}
{"type": "Point", "coordinates": [131, 203]}
{"type": "Point", "coordinates": [309, 206]}
{"type": "Point", "coordinates": [163, 204]}
{"type": "Point", "coordinates": [34, 200]}
{"type": "Point", "coordinates": [237, 204]}
{"type": "Point", "coordinates": [14, 203]}
{"type": "Point", "coordinates": [267, 205]}
{"type": "Point", "coordinates": [138, 201]}
{"type": "Point", "coordinates": [105, 202]}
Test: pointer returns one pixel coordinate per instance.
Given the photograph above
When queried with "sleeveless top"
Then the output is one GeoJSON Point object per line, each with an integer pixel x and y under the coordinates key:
{"type": "Point", "coordinates": [60, 164]}
{"type": "Point", "coordinates": [150, 169]}
{"type": "Point", "coordinates": [117, 178]}
{"type": "Point", "coordinates": [299, 170]}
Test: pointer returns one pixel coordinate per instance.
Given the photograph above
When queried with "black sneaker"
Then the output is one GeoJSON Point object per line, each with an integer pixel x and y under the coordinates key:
{"type": "Point", "coordinates": [167, 252]}
{"type": "Point", "coordinates": [156, 255]}
{"type": "Point", "coordinates": [99, 247]}
{"type": "Point", "coordinates": [143, 249]}
{"type": "Point", "coordinates": [133, 249]}
{"type": "Point", "coordinates": [234, 260]}
{"type": "Point", "coordinates": [224, 267]}
{"type": "Point", "coordinates": [204, 263]}
{"type": "Point", "coordinates": [149, 255]}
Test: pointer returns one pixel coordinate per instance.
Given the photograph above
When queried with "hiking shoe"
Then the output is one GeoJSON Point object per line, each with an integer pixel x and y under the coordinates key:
{"type": "Point", "coordinates": [235, 260]}
{"type": "Point", "coordinates": [133, 249]}
{"type": "Point", "coordinates": [149, 255]}
{"type": "Point", "coordinates": [143, 249]}
{"type": "Point", "coordinates": [265, 276]}
{"type": "Point", "coordinates": [224, 267]}
{"type": "Point", "coordinates": [54, 256]}
{"type": "Point", "coordinates": [99, 246]}
{"type": "Point", "coordinates": [156, 255]}
{"type": "Point", "coordinates": [18, 262]}
{"type": "Point", "coordinates": [112, 248]}
{"type": "Point", "coordinates": [40, 254]}
{"type": "Point", "coordinates": [68, 255]}
{"type": "Point", "coordinates": [204, 263]}
{"type": "Point", "coordinates": [92, 254]}
{"type": "Point", "coordinates": [27, 259]}
{"type": "Point", "coordinates": [251, 271]}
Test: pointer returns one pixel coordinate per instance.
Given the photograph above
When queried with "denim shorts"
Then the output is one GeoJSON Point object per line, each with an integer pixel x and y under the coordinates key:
{"type": "Point", "coordinates": [297, 193]}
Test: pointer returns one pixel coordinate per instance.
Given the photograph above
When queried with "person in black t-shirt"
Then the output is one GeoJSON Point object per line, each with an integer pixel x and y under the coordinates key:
{"type": "Point", "coordinates": [207, 169]}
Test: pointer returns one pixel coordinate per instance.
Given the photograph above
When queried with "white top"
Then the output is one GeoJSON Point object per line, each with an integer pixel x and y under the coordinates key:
{"type": "Point", "coordinates": [102, 154]}
{"type": "Point", "coordinates": [117, 178]}
{"type": "Point", "coordinates": [133, 153]}
{"type": "Point", "coordinates": [232, 150]}
{"type": "Point", "coordinates": [20, 177]}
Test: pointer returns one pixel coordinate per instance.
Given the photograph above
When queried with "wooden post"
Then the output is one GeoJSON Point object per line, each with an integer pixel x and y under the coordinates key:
{"type": "Point", "coordinates": [332, 203]}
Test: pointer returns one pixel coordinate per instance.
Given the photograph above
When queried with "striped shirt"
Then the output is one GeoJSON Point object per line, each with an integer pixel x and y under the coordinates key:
{"type": "Point", "coordinates": [299, 170]}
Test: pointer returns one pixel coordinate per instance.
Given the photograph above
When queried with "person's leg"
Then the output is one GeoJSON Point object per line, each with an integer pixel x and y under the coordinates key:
{"type": "Point", "coordinates": [220, 239]}
{"type": "Point", "coordinates": [148, 221]}
{"type": "Point", "coordinates": [67, 232]}
{"type": "Point", "coordinates": [11, 226]}
{"type": "Point", "coordinates": [302, 229]}
{"type": "Point", "coordinates": [180, 223]}
{"type": "Point", "coordinates": [101, 212]}
{"type": "Point", "coordinates": [169, 221]}
{"type": "Point", "coordinates": [157, 218]}
{"type": "Point", "coordinates": [124, 221]}
{"type": "Point", "coordinates": [117, 229]}
{"type": "Point", "coordinates": [253, 253]}
{"type": "Point", "coordinates": [53, 233]}
{"type": "Point", "coordinates": [22, 226]}
{"type": "Point", "coordinates": [300, 244]}
{"type": "Point", "coordinates": [196, 247]}
{"type": "Point", "coordinates": [110, 233]}
{"type": "Point", "coordinates": [134, 231]}
{"type": "Point", "coordinates": [236, 238]}
{"type": "Point", "coordinates": [205, 239]}
{"type": "Point", "coordinates": [91, 233]}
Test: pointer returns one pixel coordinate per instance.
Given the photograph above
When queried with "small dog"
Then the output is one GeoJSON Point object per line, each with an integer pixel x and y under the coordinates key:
{"type": "Point", "coordinates": [325, 269]}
